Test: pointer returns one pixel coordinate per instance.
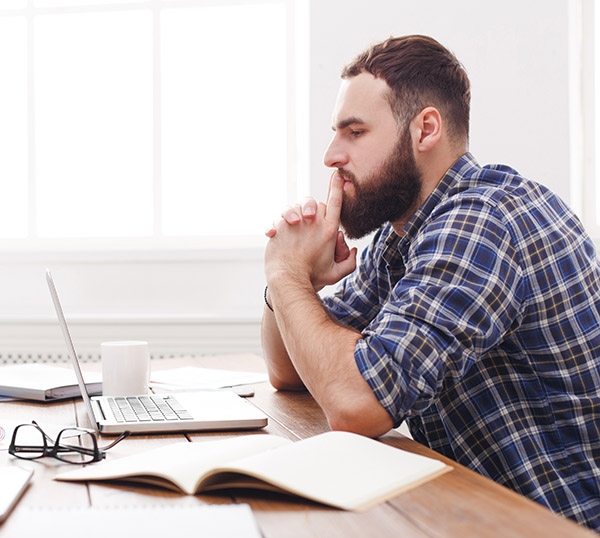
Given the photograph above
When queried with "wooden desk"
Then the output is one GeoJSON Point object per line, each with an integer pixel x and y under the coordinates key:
{"type": "Point", "coordinates": [458, 504]}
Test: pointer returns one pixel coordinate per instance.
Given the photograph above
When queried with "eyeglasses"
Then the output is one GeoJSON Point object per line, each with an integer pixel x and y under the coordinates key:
{"type": "Point", "coordinates": [72, 445]}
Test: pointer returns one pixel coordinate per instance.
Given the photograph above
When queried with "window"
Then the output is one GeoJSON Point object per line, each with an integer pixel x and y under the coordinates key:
{"type": "Point", "coordinates": [143, 119]}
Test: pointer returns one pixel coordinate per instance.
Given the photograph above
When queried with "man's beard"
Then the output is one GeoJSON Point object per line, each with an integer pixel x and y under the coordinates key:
{"type": "Point", "coordinates": [383, 197]}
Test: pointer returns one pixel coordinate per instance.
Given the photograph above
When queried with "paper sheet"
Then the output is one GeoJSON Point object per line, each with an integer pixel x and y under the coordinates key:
{"type": "Point", "coordinates": [156, 521]}
{"type": "Point", "coordinates": [194, 377]}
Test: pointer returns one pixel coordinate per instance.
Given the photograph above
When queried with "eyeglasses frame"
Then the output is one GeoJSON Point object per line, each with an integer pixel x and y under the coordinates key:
{"type": "Point", "coordinates": [97, 453]}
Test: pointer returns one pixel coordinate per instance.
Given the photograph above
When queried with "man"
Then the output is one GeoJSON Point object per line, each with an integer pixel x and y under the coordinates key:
{"type": "Point", "coordinates": [474, 312]}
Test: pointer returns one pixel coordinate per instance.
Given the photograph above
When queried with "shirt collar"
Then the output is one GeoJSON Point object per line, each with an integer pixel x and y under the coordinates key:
{"type": "Point", "coordinates": [459, 169]}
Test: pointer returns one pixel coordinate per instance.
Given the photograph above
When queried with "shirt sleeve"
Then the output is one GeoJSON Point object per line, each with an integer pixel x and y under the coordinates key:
{"type": "Point", "coordinates": [356, 300]}
{"type": "Point", "coordinates": [459, 295]}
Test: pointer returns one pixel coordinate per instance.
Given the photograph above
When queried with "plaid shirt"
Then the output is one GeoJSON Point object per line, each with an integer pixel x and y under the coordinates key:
{"type": "Point", "coordinates": [481, 329]}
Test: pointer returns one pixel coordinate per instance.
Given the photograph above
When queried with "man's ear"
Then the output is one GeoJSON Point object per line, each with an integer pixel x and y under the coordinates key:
{"type": "Point", "coordinates": [427, 129]}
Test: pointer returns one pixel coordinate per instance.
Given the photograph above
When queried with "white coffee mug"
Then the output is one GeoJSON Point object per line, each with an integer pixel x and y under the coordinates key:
{"type": "Point", "coordinates": [125, 368]}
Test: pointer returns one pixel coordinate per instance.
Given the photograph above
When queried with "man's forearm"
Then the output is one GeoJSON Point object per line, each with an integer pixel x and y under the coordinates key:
{"type": "Point", "coordinates": [322, 353]}
{"type": "Point", "coordinates": [282, 374]}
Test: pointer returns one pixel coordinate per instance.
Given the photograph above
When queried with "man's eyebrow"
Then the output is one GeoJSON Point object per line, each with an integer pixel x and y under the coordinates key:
{"type": "Point", "coordinates": [352, 120]}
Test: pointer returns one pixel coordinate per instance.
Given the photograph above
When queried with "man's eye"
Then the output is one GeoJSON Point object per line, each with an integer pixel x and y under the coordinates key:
{"type": "Point", "coordinates": [356, 133]}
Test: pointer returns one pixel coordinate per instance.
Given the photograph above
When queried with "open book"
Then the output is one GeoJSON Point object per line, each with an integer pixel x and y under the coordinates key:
{"type": "Point", "coordinates": [340, 469]}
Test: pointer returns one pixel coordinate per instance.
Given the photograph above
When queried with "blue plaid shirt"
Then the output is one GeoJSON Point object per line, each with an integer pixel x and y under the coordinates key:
{"type": "Point", "coordinates": [481, 329]}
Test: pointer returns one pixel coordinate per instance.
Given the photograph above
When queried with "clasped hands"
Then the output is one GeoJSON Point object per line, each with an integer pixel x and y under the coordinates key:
{"type": "Point", "coordinates": [307, 244]}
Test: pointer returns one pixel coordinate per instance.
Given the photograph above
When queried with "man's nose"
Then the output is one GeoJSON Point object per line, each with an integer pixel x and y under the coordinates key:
{"type": "Point", "coordinates": [335, 156]}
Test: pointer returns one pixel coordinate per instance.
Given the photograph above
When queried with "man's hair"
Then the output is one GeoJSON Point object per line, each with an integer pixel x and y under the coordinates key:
{"type": "Point", "coordinates": [420, 73]}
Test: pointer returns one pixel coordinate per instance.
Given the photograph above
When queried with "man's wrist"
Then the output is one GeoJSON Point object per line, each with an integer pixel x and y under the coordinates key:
{"type": "Point", "coordinates": [284, 284]}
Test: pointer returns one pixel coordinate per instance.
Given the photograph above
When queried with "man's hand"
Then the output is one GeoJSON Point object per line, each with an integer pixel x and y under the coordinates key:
{"type": "Point", "coordinates": [307, 242]}
{"type": "Point", "coordinates": [303, 346]}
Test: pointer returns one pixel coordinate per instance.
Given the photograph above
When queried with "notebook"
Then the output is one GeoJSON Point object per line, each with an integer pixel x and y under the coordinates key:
{"type": "Point", "coordinates": [44, 382]}
{"type": "Point", "coordinates": [150, 413]}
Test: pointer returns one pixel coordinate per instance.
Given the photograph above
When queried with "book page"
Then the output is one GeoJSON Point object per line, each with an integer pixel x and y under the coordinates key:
{"type": "Point", "coordinates": [340, 469]}
{"type": "Point", "coordinates": [182, 465]}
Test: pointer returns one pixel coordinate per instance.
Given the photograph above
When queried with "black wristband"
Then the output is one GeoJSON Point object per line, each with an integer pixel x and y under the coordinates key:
{"type": "Point", "coordinates": [267, 301]}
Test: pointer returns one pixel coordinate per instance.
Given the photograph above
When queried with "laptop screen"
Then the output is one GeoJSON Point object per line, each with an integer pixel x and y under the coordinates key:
{"type": "Point", "coordinates": [70, 348]}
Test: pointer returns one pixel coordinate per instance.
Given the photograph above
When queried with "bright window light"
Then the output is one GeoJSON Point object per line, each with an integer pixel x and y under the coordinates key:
{"type": "Point", "coordinates": [80, 3]}
{"type": "Point", "coordinates": [13, 4]}
{"type": "Point", "coordinates": [143, 119]}
{"type": "Point", "coordinates": [93, 111]}
{"type": "Point", "coordinates": [223, 118]}
{"type": "Point", "coordinates": [13, 128]}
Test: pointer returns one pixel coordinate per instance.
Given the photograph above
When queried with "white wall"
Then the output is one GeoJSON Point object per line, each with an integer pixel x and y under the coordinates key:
{"type": "Point", "coordinates": [211, 301]}
{"type": "Point", "coordinates": [516, 54]}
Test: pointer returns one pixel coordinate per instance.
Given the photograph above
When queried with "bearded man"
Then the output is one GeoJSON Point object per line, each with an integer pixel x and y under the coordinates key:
{"type": "Point", "coordinates": [474, 312]}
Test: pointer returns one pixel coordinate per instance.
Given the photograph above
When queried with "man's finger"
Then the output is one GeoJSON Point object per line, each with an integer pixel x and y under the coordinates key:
{"type": "Point", "coordinates": [335, 198]}
{"type": "Point", "coordinates": [342, 250]}
{"type": "Point", "coordinates": [309, 207]}
{"type": "Point", "coordinates": [292, 215]}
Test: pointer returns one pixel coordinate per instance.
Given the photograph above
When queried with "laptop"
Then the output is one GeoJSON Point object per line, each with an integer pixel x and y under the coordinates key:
{"type": "Point", "coordinates": [159, 413]}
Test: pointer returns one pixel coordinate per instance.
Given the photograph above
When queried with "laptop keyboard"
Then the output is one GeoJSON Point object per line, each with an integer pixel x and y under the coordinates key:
{"type": "Point", "coordinates": [151, 408]}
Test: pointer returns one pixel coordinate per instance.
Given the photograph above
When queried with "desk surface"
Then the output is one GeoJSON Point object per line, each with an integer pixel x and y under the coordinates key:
{"type": "Point", "coordinates": [460, 503]}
